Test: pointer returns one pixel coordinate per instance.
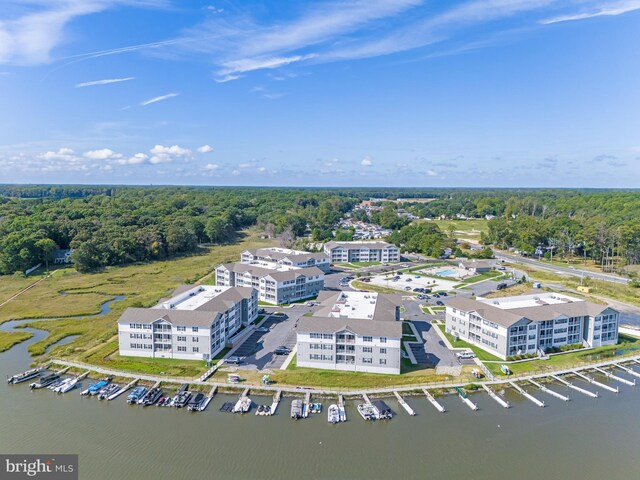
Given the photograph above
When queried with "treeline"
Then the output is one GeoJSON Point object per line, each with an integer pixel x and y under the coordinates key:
{"type": "Point", "coordinates": [121, 225]}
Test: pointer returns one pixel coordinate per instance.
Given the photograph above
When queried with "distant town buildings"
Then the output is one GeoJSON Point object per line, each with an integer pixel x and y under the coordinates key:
{"type": "Point", "coordinates": [528, 324]}
{"type": "Point", "coordinates": [276, 279]}
{"type": "Point", "coordinates": [376, 251]}
{"type": "Point", "coordinates": [62, 256]}
{"type": "Point", "coordinates": [476, 266]}
{"type": "Point", "coordinates": [287, 257]}
{"type": "Point", "coordinates": [354, 331]}
{"type": "Point", "coordinates": [194, 324]}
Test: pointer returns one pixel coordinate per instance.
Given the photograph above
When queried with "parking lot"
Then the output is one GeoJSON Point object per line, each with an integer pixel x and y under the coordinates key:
{"type": "Point", "coordinates": [256, 352]}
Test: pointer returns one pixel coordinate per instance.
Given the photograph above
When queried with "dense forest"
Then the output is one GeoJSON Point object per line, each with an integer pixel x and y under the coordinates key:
{"type": "Point", "coordinates": [114, 225]}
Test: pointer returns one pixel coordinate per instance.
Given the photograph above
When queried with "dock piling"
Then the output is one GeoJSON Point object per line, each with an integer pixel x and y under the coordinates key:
{"type": "Point", "coordinates": [574, 387]}
{"type": "Point", "coordinates": [616, 378]}
{"type": "Point", "coordinates": [404, 404]}
{"type": "Point", "coordinates": [496, 397]}
{"type": "Point", "coordinates": [433, 401]}
{"type": "Point", "coordinates": [524, 393]}
{"type": "Point", "coordinates": [596, 383]}
{"type": "Point", "coordinates": [630, 371]}
{"type": "Point", "coordinates": [564, 398]}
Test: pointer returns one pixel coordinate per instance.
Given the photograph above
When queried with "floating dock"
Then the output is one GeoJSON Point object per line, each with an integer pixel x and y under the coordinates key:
{"type": "Point", "coordinates": [564, 398]}
{"type": "Point", "coordinates": [433, 401]}
{"type": "Point", "coordinates": [576, 388]}
{"type": "Point", "coordinates": [596, 383]}
{"type": "Point", "coordinates": [522, 391]}
{"type": "Point", "coordinates": [616, 378]}
{"type": "Point", "coordinates": [305, 405]}
{"type": "Point", "coordinates": [117, 393]}
{"type": "Point", "coordinates": [465, 399]}
{"type": "Point", "coordinates": [404, 404]}
{"type": "Point", "coordinates": [630, 371]}
{"type": "Point", "coordinates": [276, 400]}
{"type": "Point", "coordinates": [496, 397]}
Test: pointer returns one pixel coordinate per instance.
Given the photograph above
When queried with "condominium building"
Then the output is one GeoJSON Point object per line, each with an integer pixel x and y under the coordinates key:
{"type": "Point", "coordinates": [194, 324]}
{"type": "Point", "coordinates": [276, 284]}
{"type": "Point", "coordinates": [528, 324]}
{"type": "Point", "coordinates": [288, 257]}
{"type": "Point", "coordinates": [377, 251]}
{"type": "Point", "coordinates": [353, 331]}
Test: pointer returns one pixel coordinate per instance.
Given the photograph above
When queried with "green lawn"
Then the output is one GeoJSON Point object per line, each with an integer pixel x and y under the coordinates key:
{"type": "Point", "coordinates": [480, 353]}
{"type": "Point", "coordinates": [482, 276]}
{"type": "Point", "coordinates": [626, 346]}
{"type": "Point", "coordinates": [367, 287]}
{"type": "Point", "coordinates": [471, 227]}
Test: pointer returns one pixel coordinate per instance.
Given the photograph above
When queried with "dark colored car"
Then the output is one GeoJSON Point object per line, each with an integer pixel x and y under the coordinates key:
{"type": "Point", "coordinates": [440, 302]}
{"type": "Point", "coordinates": [501, 286]}
{"type": "Point", "coordinates": [282, 350]}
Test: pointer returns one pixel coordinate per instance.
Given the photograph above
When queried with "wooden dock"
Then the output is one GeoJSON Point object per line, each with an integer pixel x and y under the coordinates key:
{"type": "Point", "coordinates": [574, 387]}
{"type": "Point", "coordinates": [305, 405]}
{"type": "Point", "coordinates": [365, 397]}
{"type": "Point", "coordinates": [596, 383]}
{"type": "Point", "coordinates": [433, 401]}
{"type": "Point", "coordinates": [466, 400]}
{"type": "Point", "coordinates": [404, 404]}
{"type": "Point", "coordinates": [564, 398]}
{"type": "Point", "coordinates": [496, 397]}
{"type": "Point", "coordinates": [524, 393]}
{"type": "Point", "coordinates": [276, 401]}
{"type": "Point", "coordinates": [123, 389]}
{"type": "Point", "coordinates": [615, 377]}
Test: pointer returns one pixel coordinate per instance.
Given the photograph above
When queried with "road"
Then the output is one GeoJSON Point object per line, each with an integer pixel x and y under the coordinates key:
{"type": "Point", "coordinates": [574, 272]}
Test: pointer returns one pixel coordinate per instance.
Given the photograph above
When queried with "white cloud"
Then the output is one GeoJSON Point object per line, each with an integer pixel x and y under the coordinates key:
{"type": "Point", "coordinates": [106, 81]}
{"type": "Point", "coordinates": [235, 172]}
{"type": "Point", "coordinates": [103, 154]}
{"type": "Point", "coordinates": [212, 166]}
{"type": "Point", "coordinates": [136, 159]}
{"type": "Point", "coordinates": [158, 99]}
{"type": "Point", "coordinates": [609, 10]}
{"type": "Point", "coordinates": [63, 153]}
{"type": "Point", "coordinates": [205, 149]}
{"type": "Point", "coordinates": [432, 173]}
{"type": "Point", "coordinates": [366, 161]}
{"type": "Point", "coordinates": [229, 69]}
{"type": "Point", "coordinates": [162, 154]}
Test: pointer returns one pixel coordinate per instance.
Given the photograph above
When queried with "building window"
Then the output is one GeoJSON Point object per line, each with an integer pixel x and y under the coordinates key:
{"type": "Point", "coordinates": [182, 339]}
{"type": "Point", "coordinates": [383, 361]}
{"type": "Point", "coordinates": [181, 329]}
{"type": "Point", "coordinates": [195, 339]}
{"type": "Point", "coordinates": [367, 339]}
{"type": "Point", "coordinates": [182, 349]}
{"type": "Point", "coordinates": [367, 350]}
{"type": "Point", "coordinates": [194, 329]}
{"type": "Point", "coordinates": [383, 351]}
{"type": "Point", "coordinates": [196, 349]}
{"type": "Point", "coordinates": [383, 339]}
{"type": "Point", "coordinates": [367, 360]}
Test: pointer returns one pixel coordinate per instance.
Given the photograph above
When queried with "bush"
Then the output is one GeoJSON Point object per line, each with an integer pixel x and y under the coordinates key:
{"type": "Point", "coordinates": [471, 387]}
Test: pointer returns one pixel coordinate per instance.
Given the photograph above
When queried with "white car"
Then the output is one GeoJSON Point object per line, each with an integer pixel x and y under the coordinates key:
{"type": "Point", "coordinates": [465, 355]}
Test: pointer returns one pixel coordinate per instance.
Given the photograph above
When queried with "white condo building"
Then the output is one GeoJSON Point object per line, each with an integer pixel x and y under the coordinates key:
{"type": "Point", "coordinates": [275, 283]}
{"type": "Point", "coordinates": [377, 251]}
{"type": "Point", "coordinates": [527, 324]}
{"type": "Point", "coordinates": [353, 331]}
{"type": "Point", "coordinates": [287, 257]}
{"type": "Point", "coordinates": [194, 324]}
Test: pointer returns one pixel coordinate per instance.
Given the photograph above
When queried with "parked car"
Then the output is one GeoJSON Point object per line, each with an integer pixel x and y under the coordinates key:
{"type": "Point", "coordinates": [443, 294]}
{"type": "Point", "coordinates": [407, 288]}
{"type": "Point", "coordinates": [262, 329]}
{"type": "Point", "coordinates": [233, 360]}
{"type": "Point", "coordinates": [261, 311]}
{"type": "Point", "coordinates": [440, 303]}
{"type": "Point", "coordinates": [501, 267]}
{"type": "Point", "coordinates": [462, 355]}
{"type": "Point", "coordinates": [282, 350]}
{"type": "Point", "coordinates": [501, 286]}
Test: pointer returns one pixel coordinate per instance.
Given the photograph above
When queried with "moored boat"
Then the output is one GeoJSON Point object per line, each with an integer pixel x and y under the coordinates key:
{"type": "Point", "coordinates": [195, 402]}
{"type": "Point", "coordinates": [24, 376]}
{"type": "Point", "coordinates": [296, 409]}
{"type": "Point", "coordinates": [333, 414]}
{"type": "Point", "coordinates": [70, 385]}
{"type": "Point", "coordinates": [343, 413]}
{"type": "Point", "coordinates": [243, 405]}
{"type": "Point", "coordinates": [136, 394]}
{"type": "Point", "coordinates": [384, 412]}
{"type": "Point", "coordinates": [152, 397]}
{"type": "Point", "coordinates": [109, 390]}
{"type": "Point", "coordinates": [95, 388]}
{"type": "Point", "coordinates": [44, 381]}
{"type": "Point", "coordinates": [367, 411]}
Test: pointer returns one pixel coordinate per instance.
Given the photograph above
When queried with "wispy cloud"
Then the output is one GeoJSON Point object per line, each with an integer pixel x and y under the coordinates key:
{"type": "Point", "coordinates": [106, 81]}
{"type": "Point", "coordinates": [607, 10]}
{"type": "Point", "coordinates": [158, 99]}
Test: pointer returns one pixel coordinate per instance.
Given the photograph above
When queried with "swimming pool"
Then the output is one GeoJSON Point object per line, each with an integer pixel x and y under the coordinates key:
{"type": "Point", "coordinates": [446, 273]}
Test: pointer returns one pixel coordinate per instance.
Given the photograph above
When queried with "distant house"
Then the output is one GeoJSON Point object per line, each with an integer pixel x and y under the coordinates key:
{"type": "Point", "coordinates": [62, 256]}
{"type": "Point", "coordinates": [476, 266]}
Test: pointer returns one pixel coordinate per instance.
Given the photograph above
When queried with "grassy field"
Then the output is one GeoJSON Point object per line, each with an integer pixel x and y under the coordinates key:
{"type": "Point", "coordinates": [481, 277]}
{"type": "Point", "coordinates": [9, 339]}
{"type": "Point", "coordinates": [464, 228]}
{"type": "Point", "coordinates": [627, 346]}
{"type": "Point", "coordinates": [68, 293]}
{"type": "Point", "coordinates": [367, 287]}
{"type": "Point", "coordinates": [480, 353]}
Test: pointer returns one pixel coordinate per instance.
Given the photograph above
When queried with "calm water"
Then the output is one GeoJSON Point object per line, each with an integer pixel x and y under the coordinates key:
{"type": "Point", "coordinates": [592, 438]}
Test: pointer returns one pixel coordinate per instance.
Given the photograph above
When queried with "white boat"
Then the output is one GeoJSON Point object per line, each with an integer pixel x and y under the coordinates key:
{"type": "Point", "coordinates": [296, 409]}
{"type": "Point", "coordinates": [367, 411]}
{"type": "Point", "coordinates": [24, 376]}
{"type": "Point", "coordinates": [61, 385]}
{"type": "Point", "coordinates": [243, 405]}
{"type": "Point", "coordinates": [71, 384]}
{"type": "Point", "coordinates": [334, 414]}
{"type": "Point", "coordinates": [343, 413]}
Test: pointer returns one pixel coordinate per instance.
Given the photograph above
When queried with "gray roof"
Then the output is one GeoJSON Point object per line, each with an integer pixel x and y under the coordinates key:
{"type": "Point", "coordinates": [265, 252]}
{"type": "Point", "coordinates": [275, 274]}
{"type": "Point", "coordinates": [187, 318]}
{"type": "Point", "coordinates": [385, 309]}
{"type": "Point", "coordinates": [476, 264]}
{"type": "Point", "coordinates": [377, 244]}
{"type": "Point", "coordinates": [506, 318]}
{"type": "Point", "coordinates": [356, 325]}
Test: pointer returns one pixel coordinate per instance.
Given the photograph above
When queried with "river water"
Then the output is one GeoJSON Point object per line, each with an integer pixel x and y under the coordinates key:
{"type": "Point", "coordinates": [585, 438]}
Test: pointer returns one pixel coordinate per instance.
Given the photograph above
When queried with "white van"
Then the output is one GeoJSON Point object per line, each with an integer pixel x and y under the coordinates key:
{"type": "Point", "coordinates": [464, 355]}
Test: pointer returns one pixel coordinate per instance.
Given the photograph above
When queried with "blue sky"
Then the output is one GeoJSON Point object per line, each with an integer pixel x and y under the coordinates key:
{"type": "Point", "coordinates": [327, 93]}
